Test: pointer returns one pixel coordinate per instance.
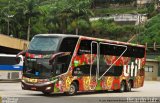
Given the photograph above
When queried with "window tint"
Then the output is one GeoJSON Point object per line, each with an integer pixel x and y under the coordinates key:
{"type": "Point", "coordinates": [68, 44]}
{"type": "Point", "coordinates": [106, 49]}
{"type": "Point", "coordinates": [8, 60]}
{"type": "Point", "coordinates": [85, 47]}
{"type": "Point", "coordinates": [84, 70]}
{"type": "Point", "coordinates": [61, 65]}
{"type": "Point", "coordinates": [113, 71]}
{"type": "Point", "coordinates": [137, 52]}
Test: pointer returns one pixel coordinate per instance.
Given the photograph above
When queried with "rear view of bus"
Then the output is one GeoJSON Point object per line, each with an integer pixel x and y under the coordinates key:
{"type": "Point", "coordinates": [59, 63]}
{"type": "Point", "coordinates": [10, 67]}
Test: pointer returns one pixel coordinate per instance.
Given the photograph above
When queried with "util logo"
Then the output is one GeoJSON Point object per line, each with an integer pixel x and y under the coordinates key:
{"type": "Point", "coordinates": [133, 68]}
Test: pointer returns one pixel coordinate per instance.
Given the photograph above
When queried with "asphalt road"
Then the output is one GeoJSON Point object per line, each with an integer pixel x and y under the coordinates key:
{"type": "Point", "coordinates": [14, 93]}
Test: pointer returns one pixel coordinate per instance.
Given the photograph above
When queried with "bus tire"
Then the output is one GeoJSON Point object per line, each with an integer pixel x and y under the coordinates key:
{"type": "Point", "coordinates": [122, 87]}
{"type": "Point", "coordinates": [129, 86]}
{"type": "Point", "coordinates": [73, 89]}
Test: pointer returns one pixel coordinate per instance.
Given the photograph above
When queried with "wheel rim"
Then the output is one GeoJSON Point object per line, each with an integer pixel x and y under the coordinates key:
{"type": "Point", "coordinates": [122, 87]}
{"type": "Point", "coordinates": [129, 86]}
{"type": "Point", "coordinates": [72, 89]}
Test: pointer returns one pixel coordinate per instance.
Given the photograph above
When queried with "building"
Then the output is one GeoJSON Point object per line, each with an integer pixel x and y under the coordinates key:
{"type": "Point", "coordinates": [152, 68]}
{"type": "Point", "coordinates": [11, 45]}
{"type": "Point", "coordinates": [134, 18]}
{"type": "Point", "coordinates": [143, 2]}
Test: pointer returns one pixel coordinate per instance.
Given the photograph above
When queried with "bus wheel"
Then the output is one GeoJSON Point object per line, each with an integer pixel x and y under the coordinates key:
{"type": "Point", "coordinates": [123, 86]}
{"type": "Point", "coordinates": [129, 86]}
{"type": "Point", "coordinates": [46, 93]}
{"type": "Point", "coordinates": [73, 89]}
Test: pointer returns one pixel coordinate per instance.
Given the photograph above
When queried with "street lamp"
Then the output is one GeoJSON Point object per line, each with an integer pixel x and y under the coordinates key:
{"type": "Point", "coordinates": [9, 16]}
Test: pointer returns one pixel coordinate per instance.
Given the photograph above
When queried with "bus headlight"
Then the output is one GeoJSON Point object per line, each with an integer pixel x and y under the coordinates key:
{"type": "Point", "coordinates": [48, 88]}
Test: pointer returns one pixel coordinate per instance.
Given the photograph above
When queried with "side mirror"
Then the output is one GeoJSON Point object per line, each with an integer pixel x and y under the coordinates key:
{"type": "Point", "coordinates": [20, 53]}
{"type": "Point", "coordinates": [56, 55]}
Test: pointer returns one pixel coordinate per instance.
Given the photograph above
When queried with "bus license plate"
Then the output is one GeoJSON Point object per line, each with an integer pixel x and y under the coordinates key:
{"type": "Point", "coordinates": [33, 80]}
{"type": "Point", "coordinates": [33, 88]}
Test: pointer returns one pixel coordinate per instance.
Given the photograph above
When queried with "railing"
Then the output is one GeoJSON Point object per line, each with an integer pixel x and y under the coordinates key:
{"type": "Point", "coordinates": [154, 46]}
{"type": "Point", "coordinates": [126, 18]}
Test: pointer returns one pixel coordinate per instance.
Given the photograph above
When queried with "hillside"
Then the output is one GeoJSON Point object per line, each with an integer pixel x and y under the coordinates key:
{"type": "Point", "coordinates": [151, 33]}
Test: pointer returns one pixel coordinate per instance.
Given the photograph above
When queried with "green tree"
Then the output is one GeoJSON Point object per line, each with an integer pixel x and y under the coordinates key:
{"type": "Point", "coordinates": [67, 13]}
{"type": "Point", "coordinates": [151, 33]}
{"type": "Point", "coordinates": [80, 12]}
{"type": "Point", "coordinates": [30, 9]}
{"type": "Point", "coordinates": [7, 12]}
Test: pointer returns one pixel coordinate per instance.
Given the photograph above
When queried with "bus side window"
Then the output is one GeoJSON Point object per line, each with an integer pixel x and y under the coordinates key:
{"type": "Point", "coordinates": [68, 44]}
{"type": "Point", "coordinates": [136, 52]}
{"type": "Point", "coordinates": [132, 51]}
{"type": "Point", "coordinates": [84, 70]}
{"type": "Point", "coordinates": [61, 64]}
{"type": "Point", "coordinates": [106, 49]}
{"type": "Point", "coordinates": [85, 47]}
{"type": "Point", "coordinates": [110, 50]}
{"type": "Point", "coordinates": [9, 60]}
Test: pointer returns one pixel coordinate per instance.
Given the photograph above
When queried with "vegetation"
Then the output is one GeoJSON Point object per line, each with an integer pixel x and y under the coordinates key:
{"type": "Point", "coordinates": [111, 30]}
{"type": "Point", "coordinates": [126, 10]}
{"type": "Point", "coordinates": [151, 33]}
{"type": "Point", "coordinates": [25, 18]}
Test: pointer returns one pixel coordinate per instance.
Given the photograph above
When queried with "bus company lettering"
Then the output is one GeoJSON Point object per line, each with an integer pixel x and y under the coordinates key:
{"type": "Point", "coordinates": [132, 69]}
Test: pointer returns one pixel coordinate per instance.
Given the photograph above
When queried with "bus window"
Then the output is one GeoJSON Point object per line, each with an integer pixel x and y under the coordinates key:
{"type": "Point", "coordinates": [9, 60]}
{"type": "Point", "coordinates": [106, 49]}
{"type": "Point", "coordinates": [85, 47]}
{"type": "Point", "coordinates": [84, 70]}
{"type": "Point", "coordinates": [61, 65]}
{"type": "Point", "coordinates": [136, 52]}
{"type": "Point", "coordinates": [113, 71]}
{"type": "Point", "coordinates": [68, 44]}
{"type": "Point", "coordinates": [110, 50]}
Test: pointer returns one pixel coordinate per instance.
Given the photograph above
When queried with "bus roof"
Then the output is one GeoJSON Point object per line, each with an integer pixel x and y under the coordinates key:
{"type": "Point", "coordinates": [59, 35]}
{"type": "Point", "coordinates": [91, 38]}
{"type": "Point", "coordinates": [9, 55]}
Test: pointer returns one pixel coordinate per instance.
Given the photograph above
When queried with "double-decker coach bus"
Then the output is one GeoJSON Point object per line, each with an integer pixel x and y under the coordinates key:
{"type": "Point", "coordinates": [68, 63]}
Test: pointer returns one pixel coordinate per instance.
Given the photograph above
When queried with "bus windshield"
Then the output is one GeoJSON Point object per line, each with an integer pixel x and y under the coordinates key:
{"type": "Point", "coordinates": [40, 43]}
{"type": "Point", "coordinates": [40, 68]}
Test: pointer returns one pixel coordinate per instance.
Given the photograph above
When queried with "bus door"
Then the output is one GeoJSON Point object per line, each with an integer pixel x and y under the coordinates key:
{"type": "Point", "coordinates": [94, 67]}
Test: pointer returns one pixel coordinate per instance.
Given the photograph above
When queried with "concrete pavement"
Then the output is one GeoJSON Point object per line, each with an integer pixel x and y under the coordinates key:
{"type": "Point", "coordinates": [150, 89]}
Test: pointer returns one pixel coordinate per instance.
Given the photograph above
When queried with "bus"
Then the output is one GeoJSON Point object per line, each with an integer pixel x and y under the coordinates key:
{"type": "Point", "coordinates": [61, 63]}
{"type": "Point", "coordinates": [10, 68]}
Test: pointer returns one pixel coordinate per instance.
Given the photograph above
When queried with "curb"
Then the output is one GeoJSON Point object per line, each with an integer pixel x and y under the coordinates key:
{"type": "Point", "coordinates": [10, 80]}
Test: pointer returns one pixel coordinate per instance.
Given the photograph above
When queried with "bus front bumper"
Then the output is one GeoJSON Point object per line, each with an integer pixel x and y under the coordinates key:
{"type": "Point", "coordinates": [45, 87]}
